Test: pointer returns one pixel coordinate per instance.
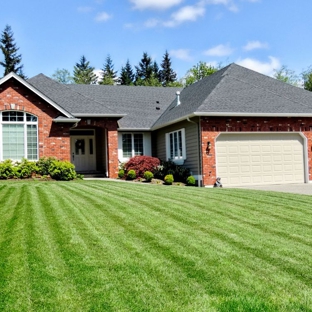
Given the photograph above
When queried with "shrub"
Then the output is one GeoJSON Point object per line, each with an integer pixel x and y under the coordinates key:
{"type": "Point", "coordinates": [121, 173]}
{"type": "Point", "coordinates": [62, 170]}
{"type": "Point", "coordinates": [169, 179]}
{"type": "Point", "coordinates": [44, 164]}
{"type": "Point", "coordinates": [179, 173]}
{"type": "Point", "coordinates": [141, 164]}
{"type": "Point", "coordinates": [26, 169]}
{"type": "Point", "coordinates": [7, 169]}
{"type": "Point", "coordinates": [148, 176]}
{"type": "Point", "coordinates": [131, 175]}
{"type": "Point", "coordinates": [190, 181]}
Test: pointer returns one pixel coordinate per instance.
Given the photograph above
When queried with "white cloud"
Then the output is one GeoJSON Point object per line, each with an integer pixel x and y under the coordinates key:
{"type": "Point", "coordinates": [229, 4]}
{"type": "Point", "coordinates": [185, 14]}
{"type": "Point", "coordinates": [266, 68]}
{"type": "Point", "coordinates": [182, 54]}
{"type": "Point", "coordinates": [153, 22]}
{"type": "Point", "coordinates": [103, 17]}
{"type": "Point", "coordinates": [219, 50]}
{"type": "Point", "coordinates": [154, 4]}
{"type": "Point", "coordinates": [253, 45]}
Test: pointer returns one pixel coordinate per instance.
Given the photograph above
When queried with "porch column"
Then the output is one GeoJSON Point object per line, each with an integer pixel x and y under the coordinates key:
{"type": "Point", "coordinates": [112, 152]}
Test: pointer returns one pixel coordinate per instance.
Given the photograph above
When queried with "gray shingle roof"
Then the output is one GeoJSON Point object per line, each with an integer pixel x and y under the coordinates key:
{"type": "Point", "coordinates": [235, 90]}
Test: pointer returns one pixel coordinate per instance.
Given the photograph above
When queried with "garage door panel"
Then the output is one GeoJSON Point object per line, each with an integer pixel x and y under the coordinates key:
{"type": "Point", "coordinates": [260, 158]}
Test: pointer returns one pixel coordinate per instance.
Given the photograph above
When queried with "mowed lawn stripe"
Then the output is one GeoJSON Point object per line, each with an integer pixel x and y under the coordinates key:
{"type": "Point", "coordinates": [127, 246]}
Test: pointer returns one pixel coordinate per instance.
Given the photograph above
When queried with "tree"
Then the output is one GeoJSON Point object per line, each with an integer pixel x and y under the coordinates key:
{"type": "Point", "coordinates": [12, 60]}
{"type": "Point", "coordinates": [168, 76]}
{"type": "Point", "coordinates": [286, 75]}
{"type": "Point", "coordinates": [307, 79]}
{"type": "Point", "coordinates": [198, 72]}
{"type": "Point", "coordinates": [147, 72]}
{"type": "Point", "coordinates": [109, 75]}
{"type": "Point", "coordinates": [62, 76]}
{"type": "Point", "coordinates": [84, 73]}
{"type": "Point", "coordinates": [127, 75]}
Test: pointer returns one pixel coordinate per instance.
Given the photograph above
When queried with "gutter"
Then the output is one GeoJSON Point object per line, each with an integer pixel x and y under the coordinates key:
{"type": "Point", "coordinates": [98, 115]}
{"type": "Point", "coordinates": [66, 120]}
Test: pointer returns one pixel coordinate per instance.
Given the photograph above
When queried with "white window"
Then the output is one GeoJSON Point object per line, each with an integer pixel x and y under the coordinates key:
{"type": "Point", "coordinates": [19, 135]}
{"type": "Point", "coordinates": [132, 144]}
{"type": "Point", "coordinates": [175, 143]}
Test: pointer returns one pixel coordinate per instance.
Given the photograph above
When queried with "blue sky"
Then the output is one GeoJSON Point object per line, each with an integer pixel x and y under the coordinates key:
{"type": "Point", "coordinates": [259, 34]}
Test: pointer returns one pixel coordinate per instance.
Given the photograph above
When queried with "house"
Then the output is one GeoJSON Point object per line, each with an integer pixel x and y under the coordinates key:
{"type": "Point", "coordinates": [238, 124]}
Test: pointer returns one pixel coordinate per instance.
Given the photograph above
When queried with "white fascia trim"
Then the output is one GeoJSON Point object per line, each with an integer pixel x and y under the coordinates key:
{"type": "Point", "coordinates": [98, 115]}
{"type": "Point", "coordinates": [66, 120]}
{"type": "Point", "coordinates": [224, 114]}
{"type": "Point", "coordinates": [173, 121]}
{"type": "Point", "coordinates": [134, 129]}
{"type": "Point", "coordinates": [33, 89]}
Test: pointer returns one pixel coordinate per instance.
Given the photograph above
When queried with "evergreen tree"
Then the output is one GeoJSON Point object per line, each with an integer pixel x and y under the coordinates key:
{"type": "Point", "coordinates": [144, 70]}
{"type": "Point", "coordinates": [168, 76]}
{"type": "Point", "coordinates": [84, 73]}
{"type": "Point", "coordinates": [156, 71]}
{"type": "Point", "coordinates": [109, 75]}
{"type": "Point", "coordinates": [12, 60]}
{"type": "Point", "coordinates": [127, 75]}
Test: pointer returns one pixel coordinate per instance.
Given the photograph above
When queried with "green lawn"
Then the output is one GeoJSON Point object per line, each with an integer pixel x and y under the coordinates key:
{"type": "Point", "coordinates": [111, 246]}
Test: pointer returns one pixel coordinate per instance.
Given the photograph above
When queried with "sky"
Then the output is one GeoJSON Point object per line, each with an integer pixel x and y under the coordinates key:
{"type": "Point", "coordinates": [262, 35]}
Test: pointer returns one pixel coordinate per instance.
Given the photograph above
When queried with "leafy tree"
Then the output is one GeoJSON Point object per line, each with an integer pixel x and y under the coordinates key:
{"type": "Point", "coordinates": [127, 75]}
{"type": "Point", "coordinates": [109, 75]}
{"type": "Point", "coordinates": [168, 76]}
{"type": "Point", "coordinates": [84, 73]}
{"type": "Point", "coordinates": [286, 75]}
{"type": "Point", "coordinates": [198, 72]}
{"type": "Point", "coordinates": [12, 60]}
{"type": "Point", "coordinates": [307, 79]}
{"type": "Point", "coordinates": [62, 76]}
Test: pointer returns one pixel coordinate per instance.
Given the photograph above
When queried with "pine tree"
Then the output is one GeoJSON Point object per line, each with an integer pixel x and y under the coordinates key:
{"type": "Point", "coordinates": [12, 60]}
{"type": "Point", "coordinates": [127, 75]}
{"type": "Point", "coordinates": [168, 76]}
{"type": "Point", "coordinates": [109, 75]}
{"type": "Point", "coordinates": [144, 70]}
{"type": "Point", "coordinates": [156, 71]}
{"type": "Point", "coordinates": [84, 73]}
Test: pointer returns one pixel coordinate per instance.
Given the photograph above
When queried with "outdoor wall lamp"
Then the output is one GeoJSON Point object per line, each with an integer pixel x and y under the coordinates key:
{"type": "Point", "coordinates": [88, 121]}
{"type": "Point", "coordinates": [208, 147]}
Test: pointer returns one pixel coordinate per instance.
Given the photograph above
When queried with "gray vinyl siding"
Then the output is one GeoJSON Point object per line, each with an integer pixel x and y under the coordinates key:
{"type": "Point", "coordinates": [192, 144]}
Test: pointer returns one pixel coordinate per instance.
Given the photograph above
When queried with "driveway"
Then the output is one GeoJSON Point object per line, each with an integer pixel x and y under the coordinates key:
{"type": "Point", "coordinates": [301, 188]}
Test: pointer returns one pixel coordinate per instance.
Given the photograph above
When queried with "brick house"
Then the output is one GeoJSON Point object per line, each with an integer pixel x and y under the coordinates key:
{"type": "Point", "coordinates": [240, 125]}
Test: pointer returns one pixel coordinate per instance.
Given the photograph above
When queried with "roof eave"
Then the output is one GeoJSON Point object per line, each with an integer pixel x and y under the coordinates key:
{"type": "Point", "coordinates": [66, 120]}
{"type": "Point", "coordinates": [244, 114]}
{"type": "Point", "coordinates": [99, 115]}
{"type": "Point", "coordinates": [33, 89]}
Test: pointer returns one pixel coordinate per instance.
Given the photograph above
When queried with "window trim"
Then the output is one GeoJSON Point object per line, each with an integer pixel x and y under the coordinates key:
{"type": "Point", "coordinates": [132, 144]}
{"type": "Point", "coordinates": [25, 123]}
{"type": "Point", "coordinates": [176, 159]}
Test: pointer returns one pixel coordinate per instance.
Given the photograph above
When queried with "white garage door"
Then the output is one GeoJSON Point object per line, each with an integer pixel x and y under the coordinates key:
{"type": "Point", "coordinates": [260, 158]}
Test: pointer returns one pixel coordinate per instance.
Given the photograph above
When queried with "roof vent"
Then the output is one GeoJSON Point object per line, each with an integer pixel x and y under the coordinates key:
{"type": "Point", "coordinates": [178, 98]}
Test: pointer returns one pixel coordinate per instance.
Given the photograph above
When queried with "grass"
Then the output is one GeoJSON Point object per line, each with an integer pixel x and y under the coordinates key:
{"type": "Point", "coordinates": [111, 246]}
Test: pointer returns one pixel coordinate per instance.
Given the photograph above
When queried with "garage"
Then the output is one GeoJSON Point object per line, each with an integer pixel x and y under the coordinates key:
{"type": "Point", "coordinates": [260, 158]}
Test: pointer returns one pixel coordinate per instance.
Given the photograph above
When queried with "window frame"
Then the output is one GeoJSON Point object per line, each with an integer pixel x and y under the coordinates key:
{"type": "Point", "coordinates": [173, 141]}
{"type": "Point", "coordinates": [25, 123]}
{"type": "Point", "coordinates": [133, 153]}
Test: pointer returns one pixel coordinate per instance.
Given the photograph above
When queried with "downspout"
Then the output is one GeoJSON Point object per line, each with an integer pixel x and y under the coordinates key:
{"type": "Point", "coordinates": [200, 181]}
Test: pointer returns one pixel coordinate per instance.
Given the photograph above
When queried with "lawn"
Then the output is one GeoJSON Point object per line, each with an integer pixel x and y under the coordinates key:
{"type": "Point", "coordinates": [112, 246]}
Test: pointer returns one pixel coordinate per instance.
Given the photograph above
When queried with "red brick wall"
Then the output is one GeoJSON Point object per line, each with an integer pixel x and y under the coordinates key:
{"type": "Point", "coordinates": [54, 139]}
{"type": "Point", "coordinates": [211, 127]}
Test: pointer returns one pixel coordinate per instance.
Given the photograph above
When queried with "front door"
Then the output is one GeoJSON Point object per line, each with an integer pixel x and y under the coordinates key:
{"type": "Point", "coordinates": [83, 151]}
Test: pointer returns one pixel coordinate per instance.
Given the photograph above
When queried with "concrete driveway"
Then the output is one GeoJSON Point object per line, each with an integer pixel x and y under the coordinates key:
{"type": "Point", "coordinates": [301, 188]}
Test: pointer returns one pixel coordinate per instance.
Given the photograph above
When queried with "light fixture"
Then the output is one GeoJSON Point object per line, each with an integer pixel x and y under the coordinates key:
{"type": "Point", "coordinates": [208, 147]}
{"type": "Point", "coordinates": [88, 121]}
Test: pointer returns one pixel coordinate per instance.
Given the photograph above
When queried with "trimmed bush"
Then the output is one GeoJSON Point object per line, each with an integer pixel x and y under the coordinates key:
{"type": "Point", "coordinates": [168, 179]}
{"type": "Point", "coordinates": [7, 169]}
{"type": "Point", "coordinates": [131, 175]}
{"type": "Point", "coordinates": [179, 173]}
{"type": "Point", "coordinates": [141, 164]}
{"type": "Point", "coordinates": [148, 176]}
{"type": "Point", "coordinates": [62, 170]}
{"type": "Point", "coordinates": [44, 164]}
{"type": "Point", "coordinates": [190, 181]}
{"type": "Point", "coordinates": [121, 173]}
{"type": "Point", "coordinates": [26, 169]}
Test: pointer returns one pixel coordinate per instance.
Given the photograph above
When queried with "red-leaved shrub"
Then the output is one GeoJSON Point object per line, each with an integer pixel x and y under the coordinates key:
{"type": "Point", "coordinates": [141, 164]}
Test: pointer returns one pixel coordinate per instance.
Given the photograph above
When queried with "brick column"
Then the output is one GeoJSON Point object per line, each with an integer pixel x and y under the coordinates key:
{"type": "Point", "coordinates": [112, 152]}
